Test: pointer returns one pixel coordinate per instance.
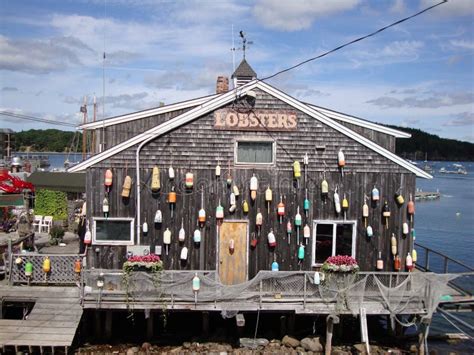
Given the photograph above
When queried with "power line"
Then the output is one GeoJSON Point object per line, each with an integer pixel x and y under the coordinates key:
{"type": "Point", "coordinates": [36, 119]}
{"type": "Point", "coordinates": [355, 40]}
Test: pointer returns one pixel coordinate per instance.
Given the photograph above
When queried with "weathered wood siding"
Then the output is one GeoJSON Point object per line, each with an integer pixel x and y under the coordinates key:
{"type": "Point", "coordinates": [196, 147]}
{"type": "Point", "coordinates": [384, 140]}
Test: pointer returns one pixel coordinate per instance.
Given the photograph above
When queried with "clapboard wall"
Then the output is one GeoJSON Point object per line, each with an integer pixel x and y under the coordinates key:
{"type": "Point", "coordinates": [197, 147]}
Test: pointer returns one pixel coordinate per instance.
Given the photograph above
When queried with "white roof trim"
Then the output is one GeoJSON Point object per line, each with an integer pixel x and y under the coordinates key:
{"type": "Point", "coordinates": [146, 113]}
{"type": "Point", "coordinates": [360, 122]}
{"type": "Point", "coordinates": [228, 97]}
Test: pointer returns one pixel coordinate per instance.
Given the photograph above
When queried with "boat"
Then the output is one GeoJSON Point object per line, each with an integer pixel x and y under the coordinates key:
{"type": "Point", "coordinates": [458, 169]}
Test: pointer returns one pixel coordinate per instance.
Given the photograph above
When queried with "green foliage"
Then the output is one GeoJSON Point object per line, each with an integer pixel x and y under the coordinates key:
{"type": "Point", "coordinates": [48, 140]}
{"type": "Point", "coordinates": [51, 203]}
{"type": "Point", "coordinates": [57, 234]}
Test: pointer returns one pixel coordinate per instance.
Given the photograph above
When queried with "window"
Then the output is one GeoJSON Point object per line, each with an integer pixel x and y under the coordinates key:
{"type": "Point", "coordinates": [113, 231]}
{"type": "Point", "coordinates": [254, 152]}
{"type": "Point", "coordinates": [333, 238]}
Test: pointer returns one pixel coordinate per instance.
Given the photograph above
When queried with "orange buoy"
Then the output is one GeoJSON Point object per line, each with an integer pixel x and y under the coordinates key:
{"type": "Point", "coordinates": [108, 180]}
{"type": "Point", "coordinates": [77, 266]}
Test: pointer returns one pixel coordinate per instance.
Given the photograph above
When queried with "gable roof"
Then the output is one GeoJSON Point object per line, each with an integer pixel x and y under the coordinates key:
{"type": "Point", "coordinates": [228, 97]}
{"type": "Point", "coordinates": [146, 113]}
{"type": "Point", "coordinates": [244, 70]}
{"type": "Point", "coordinates": [340, 116]}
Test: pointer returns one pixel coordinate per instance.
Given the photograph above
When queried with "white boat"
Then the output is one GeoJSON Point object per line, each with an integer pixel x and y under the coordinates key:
{"type": "Point", "coordinates": [458, 169]}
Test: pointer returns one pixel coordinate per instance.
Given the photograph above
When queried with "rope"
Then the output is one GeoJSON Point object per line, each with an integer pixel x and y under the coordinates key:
{"type": "Point", "coordinates": [256, 328]}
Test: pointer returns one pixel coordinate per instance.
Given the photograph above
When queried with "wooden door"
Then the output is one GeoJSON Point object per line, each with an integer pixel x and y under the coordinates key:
{"type": "Point", "coordinates": [233, 265]}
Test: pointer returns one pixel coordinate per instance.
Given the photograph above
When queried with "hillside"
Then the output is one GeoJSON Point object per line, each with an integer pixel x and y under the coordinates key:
{"type": "Point", "coordinates": [423, 144]}
{"type": "Point", "coordinates": [415, 148]}
{"type": "Point", "coordinates": [47, 140]}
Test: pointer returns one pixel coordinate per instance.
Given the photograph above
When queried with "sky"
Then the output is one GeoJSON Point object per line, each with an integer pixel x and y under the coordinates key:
{"type": "Point", "coordinates": [419, 74]}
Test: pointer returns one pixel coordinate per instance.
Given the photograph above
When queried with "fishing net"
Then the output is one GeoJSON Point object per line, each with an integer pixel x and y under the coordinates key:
{"type": "Point", "coordinates": [335, 293]}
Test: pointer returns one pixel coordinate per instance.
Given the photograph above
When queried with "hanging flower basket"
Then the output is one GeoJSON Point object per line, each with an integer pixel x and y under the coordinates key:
{"type": "Point", "coordinates": [340, 264]}
{"type": "Point", "coordinates": [147, 263]}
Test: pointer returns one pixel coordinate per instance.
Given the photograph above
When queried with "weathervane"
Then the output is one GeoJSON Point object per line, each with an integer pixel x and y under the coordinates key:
{"type": "Point", "coordinates": [244, 42]}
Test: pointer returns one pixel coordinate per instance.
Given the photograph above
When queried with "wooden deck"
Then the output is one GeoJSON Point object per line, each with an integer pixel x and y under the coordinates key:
{"type": "Point", "coordinates": [51, 323]}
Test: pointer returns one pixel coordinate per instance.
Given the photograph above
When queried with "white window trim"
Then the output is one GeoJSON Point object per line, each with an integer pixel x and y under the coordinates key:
{"type": "Point", "coordinates": [254, 140]}
{"type": "Point", "coordinates": [111, 241]}
{"type": "Point", "coordinates": [334, 222]}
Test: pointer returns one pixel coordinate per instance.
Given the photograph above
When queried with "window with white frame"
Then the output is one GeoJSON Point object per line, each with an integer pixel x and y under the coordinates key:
{"type": "Point", "coordinates": [333, 238]}
{"type": "Point", "coordinates": [113, 231]}
{"type": "Point", "coordinates": [254, 152]}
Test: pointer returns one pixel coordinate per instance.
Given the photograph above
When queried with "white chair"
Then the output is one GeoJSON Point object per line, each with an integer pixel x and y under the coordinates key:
{"type": "Point", "coordinates": [47, 224]}
{"type": "Point", "coordinates": [37, 223]}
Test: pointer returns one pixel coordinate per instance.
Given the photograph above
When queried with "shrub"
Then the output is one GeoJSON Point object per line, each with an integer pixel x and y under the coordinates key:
{"type": "Point", "coordinates": [57, 234]}
{"type": "Point", "coordinates": [51, 203]}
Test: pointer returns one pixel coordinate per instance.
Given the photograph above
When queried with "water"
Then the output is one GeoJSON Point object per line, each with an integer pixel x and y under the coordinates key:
{"type": "Point", "coordinates": [447, 225]}
{"type": "Point", "coordinates": [56, 160]}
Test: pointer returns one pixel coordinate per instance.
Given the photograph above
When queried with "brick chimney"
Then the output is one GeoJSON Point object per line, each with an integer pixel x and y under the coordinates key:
{"type": "Point", "coordinates": [222, 85]}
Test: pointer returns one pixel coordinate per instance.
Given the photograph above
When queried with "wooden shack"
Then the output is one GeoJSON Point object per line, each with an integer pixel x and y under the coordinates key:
{"type": "Point", "coordinates": [253, 130]}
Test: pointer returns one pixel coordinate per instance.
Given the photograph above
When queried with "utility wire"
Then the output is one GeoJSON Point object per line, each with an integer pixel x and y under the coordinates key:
{"type": "Point", "coordinates": [36, 119]}
{"type": "Point", "coordinates": [355, 40]}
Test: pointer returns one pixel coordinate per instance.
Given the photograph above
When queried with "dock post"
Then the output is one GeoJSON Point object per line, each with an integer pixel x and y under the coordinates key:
{"type": "Point", "coordinates": [330, 321]}
{"type": "Point", "coordinates": [98, 327]}
{"type": "Point", "coordinates": [205, 324]}
{"type": "Point", "coordinates": [150, 331]}
{"type": "Point", "coordinates": [282, 326]}
{"type": "Point", "coordinates": [108, 324]}
{"type": "Point", "coordinates": [291, 323]}
{"type": "Point", "coordinates": [422, 336]}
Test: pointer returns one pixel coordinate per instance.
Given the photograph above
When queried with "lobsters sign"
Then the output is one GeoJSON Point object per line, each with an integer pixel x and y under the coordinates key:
{"type": "Point", "coordinates": [258, 120]}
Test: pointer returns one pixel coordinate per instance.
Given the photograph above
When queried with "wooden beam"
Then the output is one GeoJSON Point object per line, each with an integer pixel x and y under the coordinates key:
{"type": "Point", "coordinates": [330, 321]}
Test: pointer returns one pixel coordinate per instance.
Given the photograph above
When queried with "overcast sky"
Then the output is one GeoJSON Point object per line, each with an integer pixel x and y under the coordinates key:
{"type": "Point", "coordinates": [419, 74]}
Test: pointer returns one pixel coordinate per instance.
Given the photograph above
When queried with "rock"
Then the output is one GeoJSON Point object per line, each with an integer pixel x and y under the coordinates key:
{"type": "Point", "coordinates": [312, 344]}
{"type": "Point", "coordinates": [413, 348]}
{"type": "Point", "coordinates": [275, 341]}
{"type": "Point", "coordinates": [132, 351]}
{"type": "Point", "coordinates": [146, 346]}
{"type": "Point", "coordinates": [251, 343]}
{"type": "Point", "coordinates": [360, 348]}
{"type": "Point", "coordinates": [178, 350]}
{"type": "Point", "coordinates": [186, 345]}
{"type": "Point", "coordinates": [290, 341]}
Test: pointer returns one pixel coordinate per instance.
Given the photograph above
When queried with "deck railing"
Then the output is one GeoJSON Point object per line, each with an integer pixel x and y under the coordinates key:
{"type": "Point", "coordinates": [430, 260]}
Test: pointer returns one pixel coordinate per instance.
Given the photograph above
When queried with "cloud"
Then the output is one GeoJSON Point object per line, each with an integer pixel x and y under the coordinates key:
{"type": "Point", "coordinates": [40, 56]}
{"type": "Point", "coordinates": [452, 8]}
{"type": "Point", "coordinates": [398, 7]}
{"type": "Point", "coordinates": [9, 88]}
{"type": "Point", "coordinates": [394, 52]}
{"type": "Point", "coordinates": [462, 43]}
{"type": "Point", "coordinates": [128, 101]}
{"type": "Point", "coordinates": [436, 100]}
{"type": "Point", "coordinates": [296, 15]}
{"type": "Point", "coordinates": [462, 119]}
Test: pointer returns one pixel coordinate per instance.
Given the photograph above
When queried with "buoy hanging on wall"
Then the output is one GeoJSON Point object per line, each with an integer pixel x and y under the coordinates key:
{"type": "Point", "coordinates": [275, 266]}
{"type": "Point", "coordinates": [127, 186]}
{"type": "Point", "coordinates": [172, 199]}
{"type": "Point", "coordinates": [281, 210]}
{"type": "Point", "coordinates": [158, 217]}
{"type": "Point", "coordinates": [105, 207]}
{"type": "Point", "coordinates": [414, 257]}
{"type": "Point", "coordinates": [375, 195]}
{"type": "Point", "coordinates": [289, 230]}
{"type": "Point", "coordinates": [235, 190]}
{"type": "Point", "coordinates": [409, 262]}
{"type": "Point", "coordinates": [271, 239]}
{"type": "Point", "coordinates": [87, 235]}
{"type": "Point", "coordinates": [231, 246]}
{"type": "Point", "coordinates": [182, 233]}
{"type": "Point", "coordinates": [155, 180]}
{"type": "Point", "coordinates": [218, 170]}
{"type": "Point", "coordinates": [341, 161]}
{"type": "Point", "coordinates": [405, 229]}
{"type": "Point", "coordinates": [189, 180]}
{"type": "Point", "coordinates": [297, 172]}
{"type": "Point", "coordinates": [184, 254]}
{"type": "Point", "coordinates": [245, 207]}
{"type": "Point", "coordinates": [197, 236]}
{"type": "Point", "coordinates": [268, 198]}
{"type": "Point", "coordinates": [369, 232]}
{"type": "Point", "coordinates": [171, 173]}
{"type": "Point", "coordinates": [365, 212]}
{"type": "Point", "coordinates": [306, 204]}
{"type": "Point", "coordinates": [28, 269]}
{"type": "Point", "coordinates": [397, 263]}
{"type": "Point", "coordinates": [399, 198]}
{"type": "Point", "coordinates": [108, 180]}
{"type": "Point", "coordinates": [386, 213]}
{"type": "Point", "coordinates": [411, 208]}
{"type": "Point", "coordinates": [167, 239]}
{"type": "Point", "coordinates": [253, 187]}
{"type": "Point", "coordinates": [219, 211]}
{"type": "Point", "coordinates": [380, 262]}
{"type": "Point", "coordinates": [145, 227]}
{"type": "Point", "coordinates": [345, 206]}
{"type": "Point", "coordinates": [393, 243]}
{"type": "Point", "coordinates": [298, 221]}
{"type": "Point", "coordinates": [324, 190]}
{"type": "Point", "coordinates": [259, 221]}
{"type": "Point", "coordinates": [46, 265]}
{"type": "Point", "coordinates": [229, 176]}
{"type": "Point", "coordinates": [337, 202]}
{"type": "Point", "coordinates": [301, 253]}
{"type": "Point", "coordinates": [306, 234]}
